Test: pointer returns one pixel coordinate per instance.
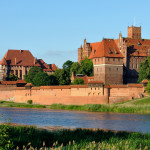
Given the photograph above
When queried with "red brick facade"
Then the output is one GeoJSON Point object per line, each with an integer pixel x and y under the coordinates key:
{"type": "Point", "coordinates": [19, 62]}
{"type": "Point", "coordinates": [117, 61]}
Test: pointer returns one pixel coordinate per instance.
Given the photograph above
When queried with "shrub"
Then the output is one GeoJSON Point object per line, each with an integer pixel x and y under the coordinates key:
{"type": "Point", "coordinates": [78, 81]}
{"type": "Point", "coordinates": [29, 101]}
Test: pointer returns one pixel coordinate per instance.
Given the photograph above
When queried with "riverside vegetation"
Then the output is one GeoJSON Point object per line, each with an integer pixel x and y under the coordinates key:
{"type": "Point", "coordinates": [22, 137]}
{"type": "Point", "coordinates": [141, 106]}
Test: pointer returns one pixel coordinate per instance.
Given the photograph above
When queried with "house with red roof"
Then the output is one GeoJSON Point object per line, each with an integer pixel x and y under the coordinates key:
{"type": "Point", "coordinates": [19, 62]}
{"type": "Point", "coordinates": [117, 61]}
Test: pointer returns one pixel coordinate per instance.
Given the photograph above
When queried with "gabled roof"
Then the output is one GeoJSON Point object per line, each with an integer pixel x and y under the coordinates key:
{"type": "Point", "coordinates": [106, 48]}
{"type": "Point", "coordinates": [19, 58]}
{"type": "Point", "coordinates": [47, 67]}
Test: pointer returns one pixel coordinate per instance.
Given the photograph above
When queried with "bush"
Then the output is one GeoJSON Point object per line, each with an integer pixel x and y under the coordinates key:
{"type": "Point", "coordinates": [78, 81]}
{"type": "Point", "coordinates": [29, 101]}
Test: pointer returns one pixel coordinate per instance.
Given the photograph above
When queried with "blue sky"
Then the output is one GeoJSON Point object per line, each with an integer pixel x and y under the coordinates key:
{"type": "Point", "coordinates": [54, 29]}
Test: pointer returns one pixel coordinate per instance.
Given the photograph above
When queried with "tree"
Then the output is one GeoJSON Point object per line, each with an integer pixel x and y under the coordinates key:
{"type": "Point", "coordinates": [32, 72]}
{"type": "Point", "coordinates": [144, 71]}
{"type": "Point", "coordinates": [62, 77]}
{"type": "Point", "coordinates": [41, 78]}
{"type": "Point", "coordinates": [148, 87]}
{"type": "Point", "coordinates": [53, 80]}
{"type": "Point", "coordinates": [75, 68]}
{"type": "Point", "coordinates": [12, 77]}
{"type": "Point", "coordinates": [78, 81]}
{"type": "Point", "coordinates": [67, 65]}
{"type": "Point", "coordinates": [86, 67]}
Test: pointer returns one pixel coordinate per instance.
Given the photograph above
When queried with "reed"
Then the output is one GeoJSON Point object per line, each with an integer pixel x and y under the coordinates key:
{"type": "Point", "coordinates": [27, 137]}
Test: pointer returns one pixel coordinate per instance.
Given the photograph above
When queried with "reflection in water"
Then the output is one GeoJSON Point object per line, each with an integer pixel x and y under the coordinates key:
{"type": "Point", "coordinates": [76, 119]}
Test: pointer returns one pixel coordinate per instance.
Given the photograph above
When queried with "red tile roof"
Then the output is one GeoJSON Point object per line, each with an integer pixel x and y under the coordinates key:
{"type": "Point", "coordinates": [145, 81]}
{"type": "Point", "coordinates": [19, 58]}
{"type": "Point", "coordinates": [137, 47]}
{"type": "Point", "coordinates": [47, 67]}
{"type": "Point", "coordinates": [106, 48]}
{"type": "Point", "coordinates": [135, 85]}
{"type": "Point", "coordinates": [13, 82]}
{"type": "Point", "coordinates": [95, 82]}
{"type": "Point", "coordinates": [9, 82]}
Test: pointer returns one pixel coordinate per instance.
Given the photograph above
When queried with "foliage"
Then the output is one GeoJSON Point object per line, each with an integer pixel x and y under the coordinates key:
{"type": "Point", "coordinates": [148, 87]}
{"type": "Point", "coordinates": [67, 65]}
{"type": "Point", "coordinates": [29, 102]}
{"type": "Point", "coordinates": [78, 81]}
{"type": "Point", "coordinates": [53, 80]}
{"type": "Point", "coordinates": [12, 77]}
{"type": "Point", "coordinates": [62, 77]}
{"type": "Point", "coordinates": [5, 142]}
{"type": "Point", "coordinates": [84, 67]}
{"type": "Point", "coordinates": [41, 78]}
{"type": "Point", "coordinates": [75, 68]}
{"type": "Point", "coordinates": [78, 139]}
{"type": "Point", "coordinates": [32, 72]}
{"type": "Point", "coordinates": [144, 70]}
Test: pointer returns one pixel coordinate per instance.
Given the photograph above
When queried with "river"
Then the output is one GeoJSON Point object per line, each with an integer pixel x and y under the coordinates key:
{"type": "Point", "coordinates": [77, 119]}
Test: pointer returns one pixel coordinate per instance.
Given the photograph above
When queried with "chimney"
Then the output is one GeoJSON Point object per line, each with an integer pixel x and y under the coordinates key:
{"type": "Point", "coordinates": [20, 51]}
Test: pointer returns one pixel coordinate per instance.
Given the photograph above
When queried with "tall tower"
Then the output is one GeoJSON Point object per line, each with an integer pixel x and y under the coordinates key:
{"type": "Point", "coordinates": [134, 32]}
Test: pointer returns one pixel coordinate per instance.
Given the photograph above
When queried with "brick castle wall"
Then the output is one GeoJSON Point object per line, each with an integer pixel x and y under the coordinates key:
{"type": "Point", "coordinates": [75, 95]}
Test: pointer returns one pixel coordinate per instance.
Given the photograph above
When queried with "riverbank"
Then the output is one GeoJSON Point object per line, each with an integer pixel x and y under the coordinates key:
{"type": "Point", "coordinates": [75, 139]}
{"type": "Point", "coordinates": [139, 106]}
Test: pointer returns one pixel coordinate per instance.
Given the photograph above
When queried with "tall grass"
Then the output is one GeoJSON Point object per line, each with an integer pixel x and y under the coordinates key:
{"type": "Point", "coordinates": [142, 107]}
{"type": "Point", "coordinates": [103, 108]}
{"type": "Point", "coordinates": [77, 139]}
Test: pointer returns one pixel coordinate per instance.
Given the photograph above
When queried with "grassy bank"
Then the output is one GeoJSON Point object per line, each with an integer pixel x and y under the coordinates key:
{"type": "Point", "coordinates": [76, 139]}
{"type": "Point", "coordinates": [141, 106]}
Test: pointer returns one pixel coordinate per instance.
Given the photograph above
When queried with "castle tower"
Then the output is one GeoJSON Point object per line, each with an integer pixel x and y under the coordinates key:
{"type": "Point", "coordinates": [85, 51]}
{"type": "Point", "coordinates": [134, 32]}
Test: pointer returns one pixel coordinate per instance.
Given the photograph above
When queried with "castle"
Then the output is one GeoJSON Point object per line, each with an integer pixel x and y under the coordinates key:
{"type": "Point", "coordinates": [117, 61]}
{"type": "Point", "coordinates": [19, 62]}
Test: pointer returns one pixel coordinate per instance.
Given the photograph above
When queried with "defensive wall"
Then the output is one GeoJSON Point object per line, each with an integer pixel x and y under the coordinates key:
{"type": "Point", "coordinates": [72, 94]}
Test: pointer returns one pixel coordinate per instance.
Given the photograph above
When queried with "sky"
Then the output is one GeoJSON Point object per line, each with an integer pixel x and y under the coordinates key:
{"type": "Point", "coordinates": [54, 29]}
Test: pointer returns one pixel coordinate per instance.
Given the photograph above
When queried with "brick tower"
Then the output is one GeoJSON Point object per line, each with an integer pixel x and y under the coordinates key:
{"type": "Point", "coordinates": [134, 32]}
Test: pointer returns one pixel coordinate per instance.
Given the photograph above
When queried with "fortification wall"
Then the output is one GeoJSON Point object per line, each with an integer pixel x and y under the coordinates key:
{"type": "Point", "coordinates": [121, 93]}
{"type": "Point", "coordinates": [48, 96]}
{"type": "Point", "coordinates": [75, 95]}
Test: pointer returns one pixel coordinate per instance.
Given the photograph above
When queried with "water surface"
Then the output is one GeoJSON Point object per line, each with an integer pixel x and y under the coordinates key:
{"type": "Point", "coordinates": [77, 119]}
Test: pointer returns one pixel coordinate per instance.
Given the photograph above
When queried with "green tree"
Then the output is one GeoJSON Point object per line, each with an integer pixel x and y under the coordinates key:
{"type": "Point", "coordinates": [75, 68]}
{"type": "Point", "coordinates": [12, 77]}
{"type": "Point", "coordinates": [67, 65]}
{"type": "Point", "coordinates": [41, 78]}
{"type": "Point", "coordinates": [32, 72]}
{"type": "Point", "coordinates": [78, 81]}
{"type": "Point", "coordinates": [62, 77]}
{"type": "Point", "coordinates": [86, 67]}
{"type": "Point", "coordinates": [144, 70]}
{"type": "Point", "coordinates": [53, 80]}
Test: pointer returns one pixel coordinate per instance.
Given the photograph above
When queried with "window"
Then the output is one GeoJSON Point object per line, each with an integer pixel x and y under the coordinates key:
{"type": "Point", "coordinates": [113, 59]}
{"type": "Point", "coordinates": [20, 74]}
{"type": "Point", "coordinates": [118, 59]}
{"type": "Point", "coordinates": [117, 69]}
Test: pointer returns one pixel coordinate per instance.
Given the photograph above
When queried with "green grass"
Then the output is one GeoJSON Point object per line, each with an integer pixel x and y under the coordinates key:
{"type": "Point", "coordinates": [141, 106]}
{"type": "Point", "coordinates": [77, 139]}
{"type": "Point", "coordinates": [23, 105]}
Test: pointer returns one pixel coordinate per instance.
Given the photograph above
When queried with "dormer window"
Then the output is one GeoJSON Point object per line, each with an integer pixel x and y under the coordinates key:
{"type": "Point", "coordinates": [94, 52]}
